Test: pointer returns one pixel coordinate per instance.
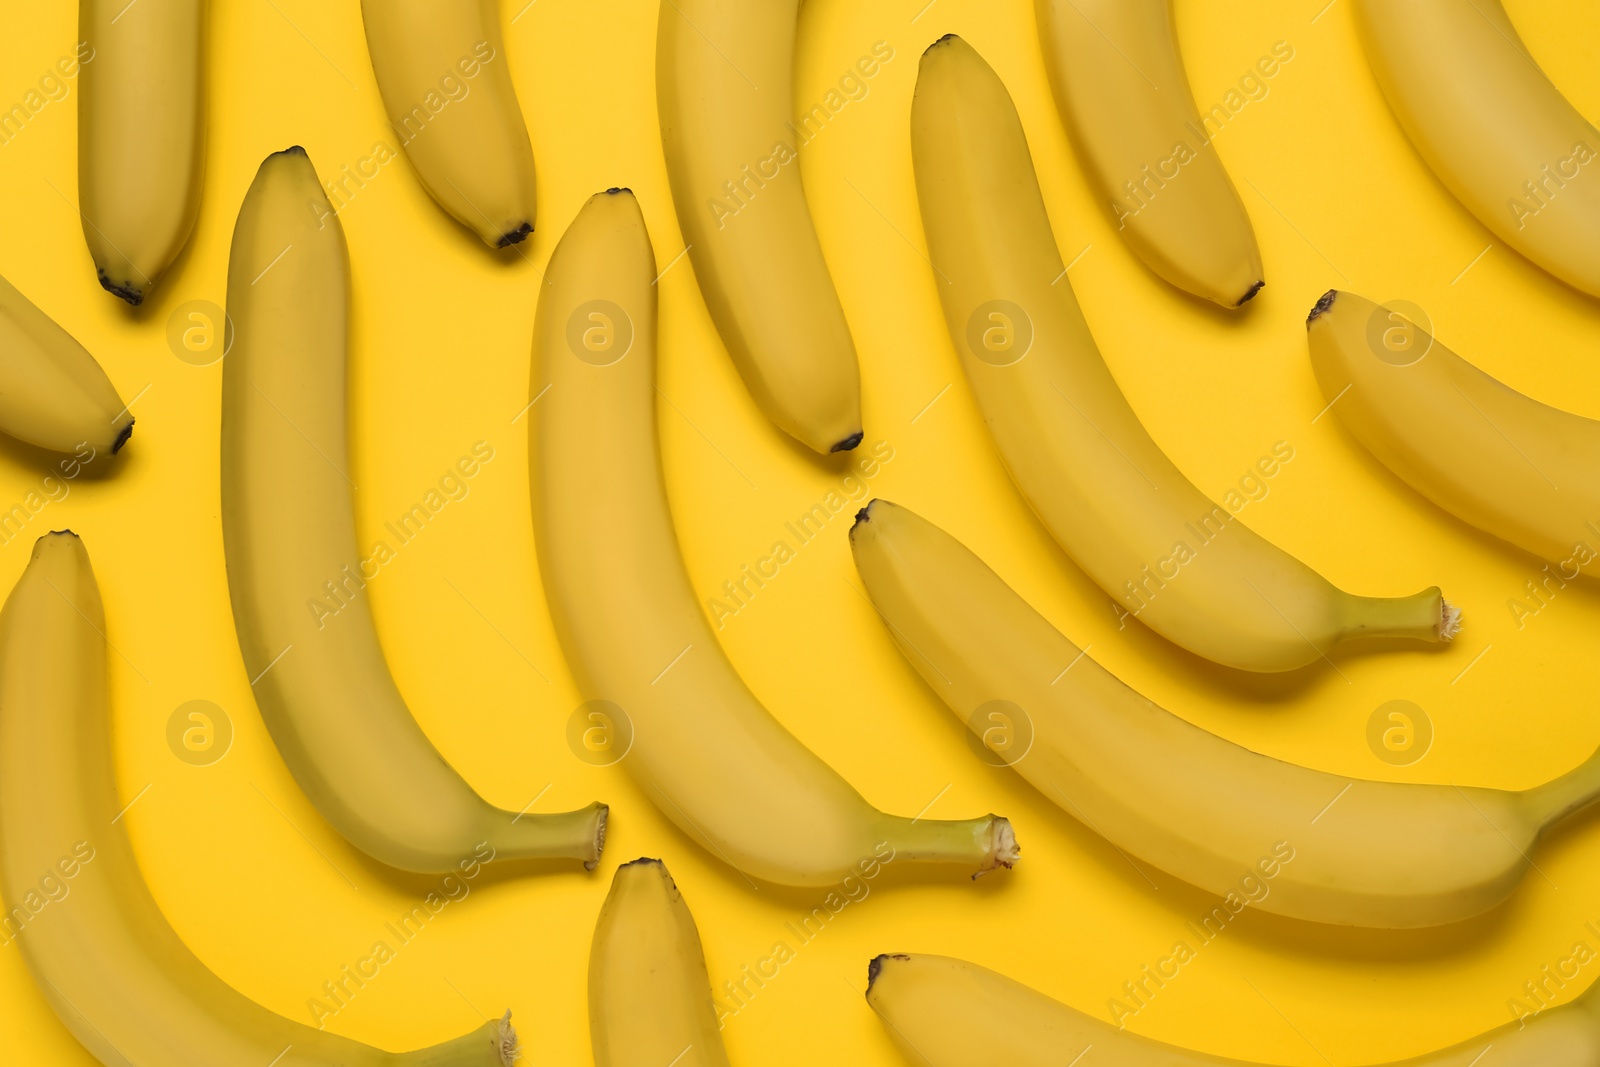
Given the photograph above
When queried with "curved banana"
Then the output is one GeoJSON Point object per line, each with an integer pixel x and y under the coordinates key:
{"type": "Point", "coordinates": [711, 757]}
{"type": "Point", "coordinates": [1317, 846]}
{"type": "Point", "coordinates": [141, 136]}
{"type": "Point", "coordinates": [1183, 565]}
{"type": "Point", "coordinates": [446, 86]}
{"type": "Point", "coordinates": [649, 994]}
{"type": "Point", "coordinates": [1492, 127]}
{"type": "Point", "coordinates": [732, 156]}
{"type": "Point", "coordinates": [295, 571]}
{"type": "Point", "coordinates": [52, 392]}
{"type": "Point", "coordinates": [1524, 471]}
{"type": "Point", "coordinates": [1123, 93]}
{"type": "Point", "coordinates": [103, 955]}
{"type": "Point", "coordinates": [945, 1012]}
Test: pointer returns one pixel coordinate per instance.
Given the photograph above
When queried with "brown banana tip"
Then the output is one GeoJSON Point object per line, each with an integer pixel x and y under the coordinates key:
{"type": "Point", "coordinates": [943, 40]}
{"type": "Point", "coordinates": [514, 237]}
{"type": "Point", "coordinates": [864, 515]}
{"type": "Point", "coordinates": [615, 189]}
{"type": "Point", "coordinates": [642, 859]}
{"type": "Point", "coordinates": [1323, 306]}
{"type": "Point", "coordinates": [506, 1041]}
{"type": "Point", "coordinates": [875, 967]}
{"type": "Point", "coordinates": [1449, 620]}
{"type": "Point", "coordinates": [599, 838]}
{"type": "Point", "coordinates": [122, 437]}
{"type": "Point", "coordinates": [1004, 851]}
{"type": "Point", "coordinates": [63, 532]}
{"type": "Point", "coordinates": [1251, 295]}
{"type": "Point", "coordinates": [848, 443]}
{"type": "Point", "coordinates": [125, 291]}
{"type": "Point", "coordinates": [292, 150]}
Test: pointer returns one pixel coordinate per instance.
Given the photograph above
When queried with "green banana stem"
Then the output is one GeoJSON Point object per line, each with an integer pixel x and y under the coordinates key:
{"type": "Point", "coordinates": [494, 1044]}
{"type": "Point", "coordinates": [1424, 616]}
{"type": "Point", "coordinates": [1567, 795]}
{"type": "Point", "coordinates": [986, 842]}
{"type": "Point", "coordinates": [577, 834]}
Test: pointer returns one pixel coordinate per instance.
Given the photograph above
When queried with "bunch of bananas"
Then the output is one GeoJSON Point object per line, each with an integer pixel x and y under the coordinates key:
{"type": "Point", "coordinates": [726, 772]}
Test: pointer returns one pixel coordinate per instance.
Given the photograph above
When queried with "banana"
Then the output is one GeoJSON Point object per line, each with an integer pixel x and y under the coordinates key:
{"type": "Point", "coordinates": [103, 955]}
{"type": "Point", "coordinates": [703, 748]}
{"type": "Point", "coordinates": [649, 994]}
{"type": "Point", "coordinates": [732, 156]}
{"type": "Point", "coordinates": [296, 574]}
{"type": "Point", "coordinates": [1524, 471]}
{"type": "Point", "coordinates": [1295, 841]}
{"type": "Point", "coordinates": [141, 136]}
{"type": "Point", "coordinates": [1491, 126]}
{"type": "Point", "coordinates": [446, 85]}
{"type": "Point", "coordinates": [1122, 91]}
{"type": "Point", "coordinates": [1163, 551]}
{"type": "Point", "coordinates": [52, 392]}
{"type": "Point", "coordinates": [944, 1012]}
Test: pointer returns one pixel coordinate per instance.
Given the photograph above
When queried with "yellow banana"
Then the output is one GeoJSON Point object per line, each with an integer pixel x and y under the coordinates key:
{"type": "Point", "coordinates": [725, 89]}
{"type": "Point", "coordinates": [1524, 471]}
{"type": "Point", "coordinates": [141, 136]}
{"type": "Point", "coordinates": [1182, 564]}
{"type": "Point", "coordinates": [944, 1012]}
{"type": "Point", "coordinates": [52, 392]}
{"type": "Point", "coordinates": [296, 574]}
{"type": "Point", "coordinates": [104, 956]}
{"type": "Point", "coordinates": [708, 754]}
{"type": "Point", "coordinates": [446, 85]}
{"type": "Point", "coordinates": [1124, 96]}
{"type": "Point", "coordinates": [649, 994]}
{"type": "Point", "coordinates": [1252, 829]}
{"type": "Point", "coordinates": [1492, 127]}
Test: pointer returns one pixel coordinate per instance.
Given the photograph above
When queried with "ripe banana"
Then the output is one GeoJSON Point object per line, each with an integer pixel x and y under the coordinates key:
{"type": "Point", "coordinates": [103, 955]}
{"type": "Point", "coordinates": [296, 574]}
{"type": "Point", "coordinates": [141, 136]}
{"type": "Point", "coordinates": [711, 757]}
{"type": "Point", "coordinates": [1123, 93]}
{"type": "Point", "coordinates": [1492, 127]}
{"type": "Point", "coordinates": [52, 392]}
{"type": "Point", "coordinates": [732, 156]}
{"type": "Point", "coordinates": [945, 1012]}
{"type": "Point", "coordinates": [1309, 845]}
{"type": "Point", "coordinates": [446, 86]}
{"type": "Point", "coordinates": [1181, 564]}
{"type": "Point", "coordinates": [1524, 471]}
{"type": "Point", "coordinates": [649, 994]}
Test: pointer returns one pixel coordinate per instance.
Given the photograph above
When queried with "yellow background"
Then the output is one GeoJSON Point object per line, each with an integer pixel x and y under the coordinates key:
{"type": "Point", "coordinates": [276, 903]}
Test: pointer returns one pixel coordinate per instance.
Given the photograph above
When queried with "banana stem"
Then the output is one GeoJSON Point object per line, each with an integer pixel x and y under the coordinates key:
{"type": "Point", "coordinates": [579, 835]}
{"type": "Point", "coordinates": [1424, 616]}
{"type": "Point", "coordinates": [985, 843]}
{"type": "Point", "coordinates": [1567, 795]}
{"type": "Point", "coordinates": [494, 1044]}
